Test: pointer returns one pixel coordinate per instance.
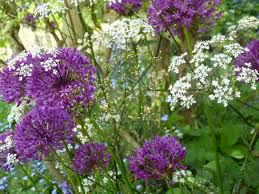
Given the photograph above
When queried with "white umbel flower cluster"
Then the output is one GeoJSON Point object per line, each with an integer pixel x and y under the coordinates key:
{"type": "Point", "coordinates": [213, 71]}
{"type": "Point", "coordinates": [45, 9]}
{"type": "Point", "coordinates": [17, 111]}
{"type": "Point", "coordinates": [176, 62]}
{"type": "Point", "coordinates": [180, 92]}
{"type": "Point", "coordinates": [80, 131]}
{"type": "Point", "coordinates": [125, 31]}
{"type": "Point", "coordinates": [182, 176]}
{"type": "Point", "coordinates": [87, 183]}
{"type": "Point", "coordinates": [245, 23]}
{"type": "Point", "coordinates": [11, 159]}
{"type": "Point", "coordinates": [223, 92]}
{"type": "Point", "coordinates": [85, 43]}
{"type": "Point", "coordinates": [7, 144]}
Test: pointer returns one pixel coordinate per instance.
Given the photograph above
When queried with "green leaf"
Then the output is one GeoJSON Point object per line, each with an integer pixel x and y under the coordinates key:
{"type": "Point", "coordinates": [237, 152]}
{"type": "Point", "coordinates": [230, 134]}
{"type": "Point", "coordinates": [174, 191]}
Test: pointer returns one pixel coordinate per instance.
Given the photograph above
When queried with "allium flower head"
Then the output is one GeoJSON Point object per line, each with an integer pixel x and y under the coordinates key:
{"type": "Point", "coordinates": [252, 56]}
{"type": "Point", "coordinates": [182, 14]}
{"type": "Point", "coordinates": [42, 129]}
{"type": "Point", "coordinates": [158, 158]}
{"type": "Point", "coordinates": [7, 152]}
{"type": "Point", "coordinates": [63, 79]}
{"type": "Point", "coordinates": [90, 157]}
{"type": "Point", "coordinates": [124, 7]}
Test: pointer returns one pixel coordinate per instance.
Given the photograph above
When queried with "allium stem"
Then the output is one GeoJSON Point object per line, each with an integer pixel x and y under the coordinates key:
{"type": "Point", "coordinates": [70, 177]}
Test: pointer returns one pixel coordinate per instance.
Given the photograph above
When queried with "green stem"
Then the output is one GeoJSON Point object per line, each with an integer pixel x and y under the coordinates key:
{"type": "Point", "coordinates": [218, 167]}
{"type": "Point", "coordinates": [29, 177]}
{"type": "Point", "coordinates": [188, 40]}
{"type": "Point", "coordinates": [70, 177]}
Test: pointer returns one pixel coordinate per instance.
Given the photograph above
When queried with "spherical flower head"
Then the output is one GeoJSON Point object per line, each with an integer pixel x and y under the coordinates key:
{"type": "Point", "coordinates": [6, 150]}
{"type": "Point", "coordinates": [176, 15]}
{"type": "Point", "coordinates": [251, 56]}
{"type": "Point", "coordinates": [64, 78]}
{"type": "Point", "coordinates": [90, 157]}
{"type": "Point", "coordinates": [43, 129]}
{"type": "Point", "coordinates": [124, 7]}
{"type": "Point", "coordinates": [157, 159]}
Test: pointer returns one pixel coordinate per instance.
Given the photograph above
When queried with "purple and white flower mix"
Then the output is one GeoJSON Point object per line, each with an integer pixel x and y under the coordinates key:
{"type": "Point", "coordinates": [56, 86]}
{"type": "Point", "coordinates": [159, 157]}
{"type": "Point", "coordinates": [8, 155]}
{"type": "Point", "coordinates": [250, 57]}
{"type": "Point", "coordinates": [62, 77]}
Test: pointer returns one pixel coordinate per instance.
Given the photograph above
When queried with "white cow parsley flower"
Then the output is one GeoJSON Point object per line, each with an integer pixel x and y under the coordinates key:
{"type": "Point", "coordinates": [124, 31]}
{"type": "Point", "coordinates": [180, 92]}
{"type": "Point", "coordinates": [176, 62]}
{"type": "Point", "coordinates": [45, 9]}
{"type": "Point", "coordinates": [213, 70]}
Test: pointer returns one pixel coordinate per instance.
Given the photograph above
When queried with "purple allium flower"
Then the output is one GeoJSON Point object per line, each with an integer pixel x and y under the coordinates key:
{"type": "Point", "coordinates": [42, 129]}
{"type": "Point", "coordinates": [13, 77]}
{"type": "Point", "coordinates": [158, 158]}
{"type": "Point", "coordinates": [6, 147]}
{"type": "Point", "coordinates": [63, 79]}
{"type": "Point", "coordinates": [90, 157]}
{"type": "Point", "coordinates": [251, 56]}
{"type": "Point", "coordinates": [124, 7]}
{"type": "Point", "coordinates": [30, 20]}
{"type": "Point", "coordinates": [190, 14]}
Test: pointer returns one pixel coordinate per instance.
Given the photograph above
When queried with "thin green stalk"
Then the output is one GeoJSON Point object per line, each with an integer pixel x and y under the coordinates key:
{"type": "Point", "coordinates": [188, 40]}
{"type": "Point", "coordinates": [70, 177]}
{"type": "Point", "coordinates": [29, 177]}
{"type": "Point", "coordinates": [218, 167]}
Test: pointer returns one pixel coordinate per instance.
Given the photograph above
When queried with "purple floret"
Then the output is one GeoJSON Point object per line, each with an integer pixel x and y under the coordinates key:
{"type": "Point", "coordinates": [193, 15]}
{"type": "Point", "coordinates": [90, 157]}
{"type": "Point", "coordinates": [30, 20]}
{"type": "Point", "coordinates": [42, 129]}
{"type": "Point", "coordinates": [158, 158]}
{"type": "Point", "coordinates": [125, 7]}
